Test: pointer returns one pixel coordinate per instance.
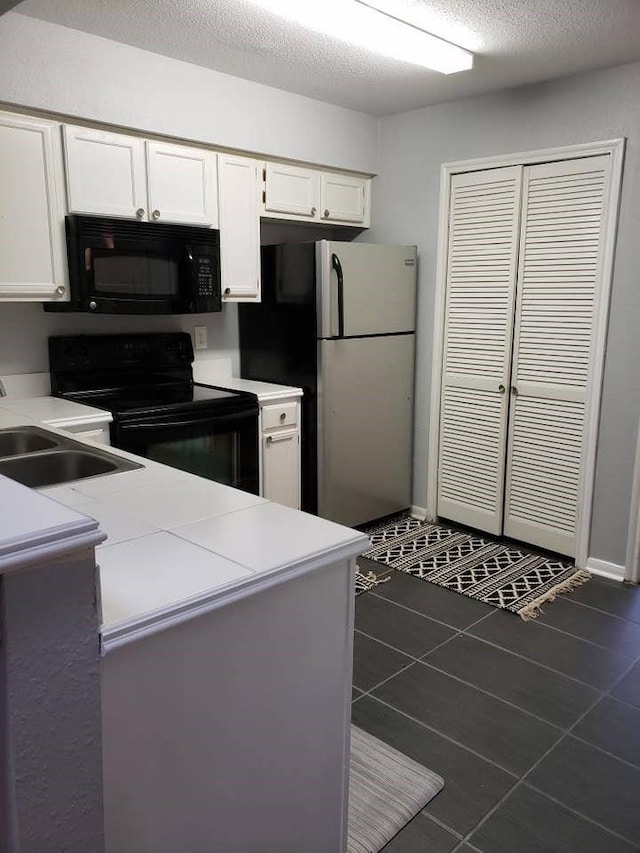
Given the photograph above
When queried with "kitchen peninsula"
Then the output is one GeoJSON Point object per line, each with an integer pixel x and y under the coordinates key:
{"type": "Point", "coordinates": [226, 647]}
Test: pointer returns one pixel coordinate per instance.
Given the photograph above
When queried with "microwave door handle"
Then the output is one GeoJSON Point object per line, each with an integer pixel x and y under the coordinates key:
{"type": "Point", "coordinates": [337, 266]}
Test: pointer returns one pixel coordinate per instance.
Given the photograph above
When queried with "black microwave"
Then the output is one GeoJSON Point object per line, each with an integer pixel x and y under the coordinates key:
{"type": "Point", "coordinates": [118, 266]}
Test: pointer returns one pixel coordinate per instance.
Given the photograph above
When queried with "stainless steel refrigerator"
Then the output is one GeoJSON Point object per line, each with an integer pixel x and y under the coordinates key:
{"type": "Point", "coordinates": [338, 319]}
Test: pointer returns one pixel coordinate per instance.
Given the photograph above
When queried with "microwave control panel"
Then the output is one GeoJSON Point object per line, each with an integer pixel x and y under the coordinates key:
{"type": "Point", "coordinates": [206, 275]}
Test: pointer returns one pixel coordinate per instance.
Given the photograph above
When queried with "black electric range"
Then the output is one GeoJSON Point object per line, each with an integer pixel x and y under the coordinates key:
{"type": "Point", "coordinates": [146, 382]}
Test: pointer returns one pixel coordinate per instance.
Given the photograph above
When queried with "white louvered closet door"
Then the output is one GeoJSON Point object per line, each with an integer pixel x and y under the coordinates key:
{"type": "Point", "coordinates": [557, 296]}
{"type": "Point", "coordinates": [482, 264]}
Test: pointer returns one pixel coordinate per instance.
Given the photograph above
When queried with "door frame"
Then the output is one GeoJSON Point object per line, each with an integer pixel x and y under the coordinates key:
{"type": "Point", "coordinates": [632, 561]}
{"type": "Point", "coordinates": [614, 148]}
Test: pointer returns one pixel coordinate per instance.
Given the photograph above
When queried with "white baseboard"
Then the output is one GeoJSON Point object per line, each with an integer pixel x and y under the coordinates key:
{"type": "Point", "coordinates": [606, 570]}
{"type": "Point", "coordinates": [418, 512]}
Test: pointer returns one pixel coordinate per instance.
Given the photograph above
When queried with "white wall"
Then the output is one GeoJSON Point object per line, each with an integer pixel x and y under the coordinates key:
{"type": "Point", "coordinates": [595, 106]}
{"type": "Point", "coordinates": [48, 67]}
{"type": "Point", "coordinates": [24, 329]}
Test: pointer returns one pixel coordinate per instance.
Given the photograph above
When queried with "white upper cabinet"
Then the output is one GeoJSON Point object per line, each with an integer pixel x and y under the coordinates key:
{"type": "Point", "coordinates": [290, 189]}
{"type": "Point", "coordinates": [110, 174]}
{"type": "Point", "coordinates": [181, 184]}
{"type": "Point", "coordinates": [106, 173]}
{"type": "Point", "coordinates": [343, 198]}
{"type": "Point", "coordinates": [239, 228]}
{"type": "Point", "coordinates": [292, 192]}
{"type": "Point", "coordinates": [32, 262]}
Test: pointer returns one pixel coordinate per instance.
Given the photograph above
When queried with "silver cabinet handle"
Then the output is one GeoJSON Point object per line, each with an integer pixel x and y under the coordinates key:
{"type": "Point", "coordinates": [314, 210]}
{"type": "Point", "coordinates": [155, 214]}
{"type": "Point", "coordinates": [283, 416]}
{"type": "Point", "coordinates": [326, 214]}
{"type": "Point", "coordinates": [227, 291]}
{"type": "Point", "coordinates": [514, 390]}
{"type": "Point", "coordinates": [140, 212]}
{"type": "Point", "coordinates": [285, 436]}
{"type": "Point", "coordinates": [60, 290]}
{"type": "Point", "coordinates": [501, 388]}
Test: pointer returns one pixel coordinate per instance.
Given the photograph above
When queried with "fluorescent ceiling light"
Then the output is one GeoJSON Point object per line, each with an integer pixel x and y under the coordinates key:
{"type": "Point", "coordinates": [357, 23]}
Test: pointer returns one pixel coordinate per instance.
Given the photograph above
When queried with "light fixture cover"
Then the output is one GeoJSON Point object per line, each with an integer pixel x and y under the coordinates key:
{"type": "Point", "coordinates": [356, 23]}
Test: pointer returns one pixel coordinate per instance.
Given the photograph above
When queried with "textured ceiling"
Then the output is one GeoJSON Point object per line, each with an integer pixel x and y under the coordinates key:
{"type": "Point", "coordinates": [516, 41]}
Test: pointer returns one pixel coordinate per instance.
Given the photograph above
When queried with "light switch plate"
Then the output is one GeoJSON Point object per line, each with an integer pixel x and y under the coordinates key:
{"type": "Point", "coordinates": [200, 337]}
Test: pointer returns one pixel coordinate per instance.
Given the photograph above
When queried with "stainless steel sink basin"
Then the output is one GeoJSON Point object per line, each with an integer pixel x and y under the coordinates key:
{"type": "Point", "coordinates": [20, 440]}
{"type": "Point", "coordinates": [38, 458]}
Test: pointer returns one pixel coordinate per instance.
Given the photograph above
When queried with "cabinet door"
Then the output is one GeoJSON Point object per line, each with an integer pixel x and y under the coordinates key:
{"type": "Point", "coordinates": [32, 261]}
{"type": "Point", "coordinates": [281, 468]}
{"type": "Point", "coordinates": [342, 198]}
{"type": "Point", "coordinates": [239, 228]}
{"type": "Point", "coordinates": [182, 184]}
{"type": "Point", "coordinates": [289, 189]}
{"type": "Point", "coordinates": [484, 219]}
{"type": "Point", "coordinates": [105, 173]}
{"type": "Point", "coordinates": [557, 304]}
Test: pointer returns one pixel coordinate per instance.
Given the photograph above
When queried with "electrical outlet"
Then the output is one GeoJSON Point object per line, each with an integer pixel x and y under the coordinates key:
{"type": "Point", "coordinates": [200, 337]}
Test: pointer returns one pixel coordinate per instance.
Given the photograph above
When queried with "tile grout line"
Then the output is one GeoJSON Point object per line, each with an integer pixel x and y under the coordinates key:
{"type": "Point", "coordinates": [543, 665]}
{"type": "Point", "coordinates": [424, 660]}
{"type": "Point", "coordinates": [590, 642]}
{"type": "Point", "coordinates": [413, 659]}
{"type": "Point", "coordinates": [466, 632]}
{"type": "Point", "coordinates": [425, 616]}
{"type": "Point", "coordinates": [497, 698]}
{"type": "Point", "coordinates": [500, 609]}
{"type": "Point", "coordinates": [604, 612]}
{"type": "Point", "coordinates": [446, 737]}
{"type": "Point", "coordinates": [439, 822]}
{"type": "Point", "coordinates": [536, 764]}
{"type": "Point", "coordinates": [462, 843]}
{"type": "Point", "coordinates": [457, 633]}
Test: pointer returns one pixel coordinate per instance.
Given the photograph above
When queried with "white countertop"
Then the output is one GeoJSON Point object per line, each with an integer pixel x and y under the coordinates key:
{"type": "Point", "coordinates": [30, 524]}
{"type": "Point", "coordinates": [55, 410]}
{"type": "Point", "coordinates": [213, 373]}
{"type": "Point", "coordinates": [174, 539]}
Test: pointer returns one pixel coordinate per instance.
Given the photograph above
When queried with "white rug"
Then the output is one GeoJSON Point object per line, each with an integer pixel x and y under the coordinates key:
{"type": "Point", "coordinates": [386, 790]}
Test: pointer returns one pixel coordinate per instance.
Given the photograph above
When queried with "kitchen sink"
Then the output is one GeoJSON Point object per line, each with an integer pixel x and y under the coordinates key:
{"type": "Point", "coordinates": [25, 440]}
{"type": "Point", "coordinates": [38, 458]}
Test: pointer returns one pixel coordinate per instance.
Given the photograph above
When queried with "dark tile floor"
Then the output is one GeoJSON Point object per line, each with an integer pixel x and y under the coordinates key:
{"type": "Point", "coordinates": [535, 726]}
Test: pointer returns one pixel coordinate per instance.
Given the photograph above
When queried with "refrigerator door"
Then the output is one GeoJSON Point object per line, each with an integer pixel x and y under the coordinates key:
{"type": "Point", "coordinates": [365, 289]}
{"type": "Point", "coordinates": [365, 426]}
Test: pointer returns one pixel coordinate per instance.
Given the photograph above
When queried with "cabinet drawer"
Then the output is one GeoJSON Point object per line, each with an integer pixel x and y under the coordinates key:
{"type": "Point", "coordinates": [285, 414]}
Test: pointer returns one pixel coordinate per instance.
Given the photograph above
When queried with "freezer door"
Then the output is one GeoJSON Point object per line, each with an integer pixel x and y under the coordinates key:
{"type": "Point", "coordinates": [365, 419]}
{"type": "Point", "coordinates": [365, 289]}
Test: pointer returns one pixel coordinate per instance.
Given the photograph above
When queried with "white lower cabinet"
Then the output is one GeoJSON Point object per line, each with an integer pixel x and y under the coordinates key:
{"type": "Point", "coordinates": [280, 452]}
{"type": "Point", "coordinates": [281, 468]}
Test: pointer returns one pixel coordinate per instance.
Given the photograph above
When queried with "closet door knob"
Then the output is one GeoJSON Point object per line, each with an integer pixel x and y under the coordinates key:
{"type": "Point", "coordinates": [501, 389]}
{"type": "Point", "coordinates": [514, 390]}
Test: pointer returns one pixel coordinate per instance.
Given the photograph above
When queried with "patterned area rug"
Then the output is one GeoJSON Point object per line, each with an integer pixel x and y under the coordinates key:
{"type": "Point", "coordinates": [366, 582]}
{"type": "Point", "coordinates": [505, 576]}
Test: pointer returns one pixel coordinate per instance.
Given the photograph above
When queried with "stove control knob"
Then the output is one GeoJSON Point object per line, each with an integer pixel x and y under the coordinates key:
{"type": "Point", "coordinates": [93, 305]}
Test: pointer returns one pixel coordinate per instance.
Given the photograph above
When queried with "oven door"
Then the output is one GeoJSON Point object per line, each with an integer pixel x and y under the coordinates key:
{"type": "Point", "coordinates": [221, 447]}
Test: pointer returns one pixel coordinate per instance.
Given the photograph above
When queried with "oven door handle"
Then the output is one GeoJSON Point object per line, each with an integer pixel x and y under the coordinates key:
{"type": "Point", "coordinates": [217, 420]}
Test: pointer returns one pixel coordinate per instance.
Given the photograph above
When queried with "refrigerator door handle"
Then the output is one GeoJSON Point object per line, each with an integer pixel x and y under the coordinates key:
{"type": "Point", "coordinates": [337, 266]}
